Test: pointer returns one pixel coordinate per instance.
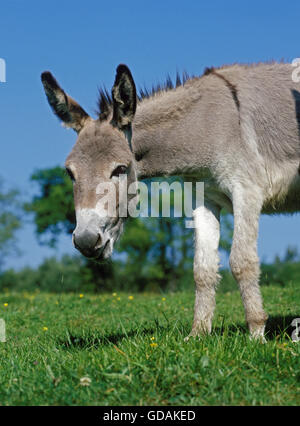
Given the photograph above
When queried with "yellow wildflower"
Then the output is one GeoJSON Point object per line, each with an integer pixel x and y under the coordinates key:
{"type": "Point", "coordinates": [130, 297]}
{"type": "Point", "coordinates": [45, 328]}
{"type": "Point", "coordinates": [5, 305]}
{"type": "Point", "coordinates": [153, 345]}
{"type": "Point", "coordinates": [81, 296]}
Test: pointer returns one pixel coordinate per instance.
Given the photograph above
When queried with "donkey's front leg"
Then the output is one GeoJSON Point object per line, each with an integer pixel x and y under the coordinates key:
{"type": "Point", "coordinates": [206, 264]}
{"type": "Point", "coordinates": [244, 260]}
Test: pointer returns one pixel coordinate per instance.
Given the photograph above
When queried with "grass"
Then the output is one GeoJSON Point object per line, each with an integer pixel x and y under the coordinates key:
{"type": "Point", "coordinates": [132, 351]}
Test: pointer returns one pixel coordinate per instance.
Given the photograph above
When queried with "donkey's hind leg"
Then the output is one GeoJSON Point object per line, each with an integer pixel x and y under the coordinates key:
{"type": "Point", "coordinates": [244, 260]}
{"type": "Point", "coordinates": [206, 265]}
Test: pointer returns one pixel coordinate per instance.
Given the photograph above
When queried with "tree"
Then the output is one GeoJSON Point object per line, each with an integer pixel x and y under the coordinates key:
{"type": "Point", "coordinates": [9, 221]}
{"type": "Point", "coordinates": [53, 208]}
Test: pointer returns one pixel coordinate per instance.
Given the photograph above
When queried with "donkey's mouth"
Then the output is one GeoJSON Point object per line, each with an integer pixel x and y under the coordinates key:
{"type": "Point", "coordinates": [111, 234]}
{"type": "Point", "coordinates": [103, 252]}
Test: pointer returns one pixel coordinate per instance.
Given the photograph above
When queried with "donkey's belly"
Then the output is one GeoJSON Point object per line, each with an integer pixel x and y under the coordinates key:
{"type": "Point", "coordinates": [288, 204]}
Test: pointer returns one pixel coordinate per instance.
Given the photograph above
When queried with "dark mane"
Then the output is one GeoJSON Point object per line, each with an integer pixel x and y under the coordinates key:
{"type": "Point", "coordinates": [104, 103]}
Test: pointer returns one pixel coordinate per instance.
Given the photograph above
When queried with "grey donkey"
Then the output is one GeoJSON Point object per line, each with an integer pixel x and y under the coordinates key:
{"type": "Point", "coordinates": [236, 128]}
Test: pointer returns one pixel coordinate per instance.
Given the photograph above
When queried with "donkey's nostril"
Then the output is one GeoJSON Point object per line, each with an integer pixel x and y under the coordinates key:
{"type": "Point", "coordinates": [87, 242]}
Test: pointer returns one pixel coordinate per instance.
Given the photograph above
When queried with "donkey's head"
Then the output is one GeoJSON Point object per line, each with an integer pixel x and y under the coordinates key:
{"type": "Point", "coordinates": [101, 154]}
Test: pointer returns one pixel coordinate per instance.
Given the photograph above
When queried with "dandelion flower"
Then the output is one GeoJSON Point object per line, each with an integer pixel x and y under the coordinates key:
{"type": "Point", "coordinates": [153, 345]}
{"type": "Point", "coordinates": [152, 338]}
{"type": "Point", "coordinates": [114, 294]}
{"type": "Point", "coordinates": [130, 297]}
{"type": "Point", "coordinates": [163, 299]}
{"type": "Point", "coordinates": [85, 381]}
{"type": "Point", "coordinates": [45, 328]}
{"type": "Point", "coordinates": [5, 305]}
{"type": "Point", "coordinates": [118, 298]}
{"type": "Point", "coordinates": [81, 296]}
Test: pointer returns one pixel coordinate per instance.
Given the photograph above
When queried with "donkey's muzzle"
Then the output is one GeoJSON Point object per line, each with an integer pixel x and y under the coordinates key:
{"type": "Point", "coordinates": [88, 243]}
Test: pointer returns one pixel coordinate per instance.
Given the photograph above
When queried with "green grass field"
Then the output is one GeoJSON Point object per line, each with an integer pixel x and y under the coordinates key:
{"type": "Point", "coordinates": [128, 350]}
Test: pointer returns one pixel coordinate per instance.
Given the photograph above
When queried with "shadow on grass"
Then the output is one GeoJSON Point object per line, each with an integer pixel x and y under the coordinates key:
{"type": "Point", "coordinates": [94, 341]}
{"type": "Point", "coordinates": [280, 326]}
{"type": "Point", "coordinates": [276, 326]}
{"type": "Point", "coordinates": [230, 329]}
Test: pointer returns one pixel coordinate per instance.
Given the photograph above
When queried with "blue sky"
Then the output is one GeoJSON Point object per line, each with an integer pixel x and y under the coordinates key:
{"type": "Point", "coordinates": [82, 42]}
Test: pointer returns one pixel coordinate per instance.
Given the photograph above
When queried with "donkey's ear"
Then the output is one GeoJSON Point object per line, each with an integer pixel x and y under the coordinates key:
{"type": "Point", "coordinates": [124, 98]}
{"type": "Point", "coordinates": [66, 109]}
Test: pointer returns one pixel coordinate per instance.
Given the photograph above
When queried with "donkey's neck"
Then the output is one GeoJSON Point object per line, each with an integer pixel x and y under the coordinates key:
{"type": "Point", "coordinates": [162, 138]}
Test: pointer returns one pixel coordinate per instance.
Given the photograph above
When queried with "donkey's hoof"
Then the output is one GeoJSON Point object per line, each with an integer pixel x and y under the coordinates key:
{"type": "Point", "coordinates": [257, 333]}
{"type": "Point", "coordinates": [199, 330]}
{"type": "Point", "coordinates": [258, 338]}
{"type": "Point", "coordinates": [195, 334]}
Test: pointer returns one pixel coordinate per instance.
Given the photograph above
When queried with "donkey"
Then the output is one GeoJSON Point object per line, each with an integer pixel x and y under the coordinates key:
{"type": "Point", "coordinates": [236, 128]}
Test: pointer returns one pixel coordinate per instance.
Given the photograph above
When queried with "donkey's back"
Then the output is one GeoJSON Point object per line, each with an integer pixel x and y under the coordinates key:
{"type": "Point", "coordinates": [268, 102]}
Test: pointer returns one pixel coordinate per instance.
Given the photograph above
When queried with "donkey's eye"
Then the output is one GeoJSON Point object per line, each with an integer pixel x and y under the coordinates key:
{"type": "Point", "coordinates": [70, 173]}
{"type": "Point", "coordinates": [120, 170]}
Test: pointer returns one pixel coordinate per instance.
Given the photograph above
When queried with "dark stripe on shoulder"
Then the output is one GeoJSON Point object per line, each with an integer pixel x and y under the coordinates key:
{"type": "Point", "coordinates": [230, 86]}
